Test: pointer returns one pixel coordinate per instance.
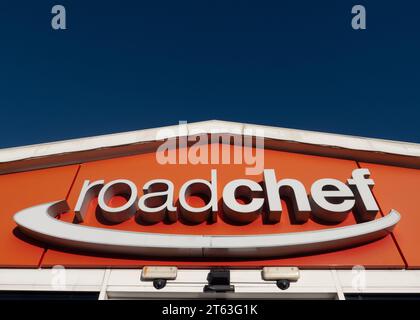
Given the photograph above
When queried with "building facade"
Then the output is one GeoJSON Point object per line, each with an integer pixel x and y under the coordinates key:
{"type": "Point", "coordinates": [336, 216]}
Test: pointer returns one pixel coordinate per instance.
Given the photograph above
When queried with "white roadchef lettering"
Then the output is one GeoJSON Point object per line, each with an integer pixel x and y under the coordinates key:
{"type": "Point", "coordinates": [243, 200]}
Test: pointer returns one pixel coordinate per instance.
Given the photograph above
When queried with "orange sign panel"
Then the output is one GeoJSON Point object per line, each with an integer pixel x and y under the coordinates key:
{"type": "Point", "coordinates": [399, 188]}
{"type": "Point", "coordinates": [394, 189]}
{"type": "Point", "coordinates": [26, 189]}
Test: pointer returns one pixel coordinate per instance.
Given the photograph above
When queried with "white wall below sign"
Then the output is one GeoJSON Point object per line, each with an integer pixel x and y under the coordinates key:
{"type": "Point", "coordinates": [126, 283]}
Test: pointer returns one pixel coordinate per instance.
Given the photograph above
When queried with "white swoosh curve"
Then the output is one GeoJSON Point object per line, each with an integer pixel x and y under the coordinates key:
{"type": "Point", "coordinates": [40, 223]}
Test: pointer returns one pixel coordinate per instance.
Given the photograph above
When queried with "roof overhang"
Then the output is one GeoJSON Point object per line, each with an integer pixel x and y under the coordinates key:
{"type": "Point", "coordinates": [74, 151]}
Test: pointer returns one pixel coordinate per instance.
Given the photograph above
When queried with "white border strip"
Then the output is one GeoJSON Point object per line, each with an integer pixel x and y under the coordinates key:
{"type": "Point", "coordinates": [125, 283]}
{"type": "Point", "coordinates": [149, 135]}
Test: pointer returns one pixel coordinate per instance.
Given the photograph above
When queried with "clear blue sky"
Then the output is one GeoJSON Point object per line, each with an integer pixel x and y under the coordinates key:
{"type": "Point", "coordinates": [127, 65]}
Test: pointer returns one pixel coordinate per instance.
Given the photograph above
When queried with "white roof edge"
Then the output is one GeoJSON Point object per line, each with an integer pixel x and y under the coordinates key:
{"type": "Point", "coordinates": [328, 140]}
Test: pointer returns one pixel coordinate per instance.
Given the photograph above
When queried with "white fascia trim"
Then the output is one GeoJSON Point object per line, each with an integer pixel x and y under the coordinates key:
{"type": "Point", "coordinates": [81, 144]}
{"type": "Point", "coordinates": [125, 282]}
{"type": "Point", "coordinates": [319, 139]}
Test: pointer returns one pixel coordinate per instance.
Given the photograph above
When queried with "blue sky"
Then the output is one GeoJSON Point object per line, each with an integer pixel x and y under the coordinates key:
{"type": "Point", "coordinates": [129, 65]}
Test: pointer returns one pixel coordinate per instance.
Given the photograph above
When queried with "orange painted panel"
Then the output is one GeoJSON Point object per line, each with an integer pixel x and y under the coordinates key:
{"type": "Point", "coordinates": [22, 190]}
{"type": "Point", "coordinates": [399, 189]}
{"type": "Point", "coordinates": [141, 168]}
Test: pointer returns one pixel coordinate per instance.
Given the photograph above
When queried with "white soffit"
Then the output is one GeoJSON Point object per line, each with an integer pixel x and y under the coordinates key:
{"type": "Point", "coordinates": [322, 141]}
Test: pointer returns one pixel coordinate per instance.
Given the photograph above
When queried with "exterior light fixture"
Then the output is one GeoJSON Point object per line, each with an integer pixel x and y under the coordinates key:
{"type": "Point", "coordinates": [282, 275]}
{"type": "Point", "coordinates": [159, 275]}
